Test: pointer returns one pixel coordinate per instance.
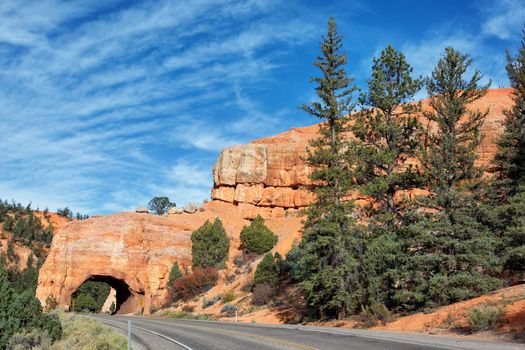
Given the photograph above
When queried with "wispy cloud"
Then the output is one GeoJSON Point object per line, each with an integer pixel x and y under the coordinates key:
{"type": "Point", "coordinates": [504, 18]}
{"type": "Point", "coordinates": [95, 98]}
{"type": "Point", "coordinates": [104, 105]}
{"type": "Point", "coordinates": [487, 58]}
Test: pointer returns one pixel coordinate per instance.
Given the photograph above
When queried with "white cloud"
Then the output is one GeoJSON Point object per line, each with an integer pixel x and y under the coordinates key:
{"type": "Point", "coordinates": [186, 174]}
{"type": "Point", "coordinates": [91, 103]}
{"type": "Point", "coordinates": [203, 136]}
{"type": "Point", "coordinates": [504, 18]}
{"type": "Point", "coordinates": [424, 55]}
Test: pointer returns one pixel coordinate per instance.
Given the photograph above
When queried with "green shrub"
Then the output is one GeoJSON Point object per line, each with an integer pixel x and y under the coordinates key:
{"type": "Point", "coordinates": [229, 309]}
{"type": "Point", "coordinates": [182, 315]}
{"type": "Point", "coordinates": [174, 273]}
{"type": "Point", "coordinates": [30, 340]}
{"type": "Point", "coordinates": [228, 297]}
{"type": "Point", "coordinates": [51, 303]}
{"type": "Point", "coordinates": [257, 237]}
{"type": "Point", "coordinates": [483, 317]}
{"type": "Point", "coordinates": [266, 271]}
{"type": "Point", "coordinates": [210, 245]}
{"type": "Point", "coordinates": [375, 313]}
{"type": "Point", "coordinates": [211, 301]}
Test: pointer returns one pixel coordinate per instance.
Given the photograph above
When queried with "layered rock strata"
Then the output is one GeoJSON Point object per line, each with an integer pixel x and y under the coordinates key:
{"type": "Point", "coordinates": [268, 175]}
{"type": "Point", "coordinates": [134, 253]}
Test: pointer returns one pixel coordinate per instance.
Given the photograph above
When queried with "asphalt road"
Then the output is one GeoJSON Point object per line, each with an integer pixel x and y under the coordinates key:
{"type": "Point", "coordinates": [164, 333]}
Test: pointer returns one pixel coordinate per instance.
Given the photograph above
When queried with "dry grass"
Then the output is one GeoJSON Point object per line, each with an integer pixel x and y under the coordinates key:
{"type": "Point", "coordinates": [87, 334]}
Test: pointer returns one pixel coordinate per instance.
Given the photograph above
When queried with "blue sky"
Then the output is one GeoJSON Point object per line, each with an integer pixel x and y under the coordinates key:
{"type": "Point", "coordinates": [105, 104]}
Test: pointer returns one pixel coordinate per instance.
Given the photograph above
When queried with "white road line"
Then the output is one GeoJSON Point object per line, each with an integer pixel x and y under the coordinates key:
{"type": "Point", "coordinates": [147, 330]}
{"type": "Point", "coordinates": [366, 336]}
{"type": "Point", "coordinates": [409, 342]}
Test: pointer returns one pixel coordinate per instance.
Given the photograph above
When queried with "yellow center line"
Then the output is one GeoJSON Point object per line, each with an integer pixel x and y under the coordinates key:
{"type": "Point", "coordinates": [269, 340]}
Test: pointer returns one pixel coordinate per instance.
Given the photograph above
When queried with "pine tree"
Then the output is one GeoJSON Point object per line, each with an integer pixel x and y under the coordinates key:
{"type": "Point", "coordinates": [513, 241]}
{"type": "Point", "coordinates": [388, 134]}
{"type": "Point", "coordinates": [22, 311]}
{"type": "Point", "coordinates": [266, 271]}
{"type": "Point", "coordinates": [327, 243]}
{"type": "Point", "coordinates": [449, 249]}
{"type": "Point", "coordinates": [8, 324]}
{"type": "Point", "coordinates": [508, 182]}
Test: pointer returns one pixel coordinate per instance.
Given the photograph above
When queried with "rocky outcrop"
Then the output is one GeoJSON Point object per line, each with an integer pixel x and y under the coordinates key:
{"type": "Point", "coordinates": [111, 302]}
{"type": "Point", "coordinates": [267, 176]}
{"type": "Point", "coordinates": [134, 252]}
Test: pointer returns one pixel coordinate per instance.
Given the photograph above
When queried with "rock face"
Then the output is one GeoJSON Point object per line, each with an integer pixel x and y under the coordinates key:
{"type": "Point", "coordinates": [135, 252]}
{"type": "Point", "coordinates": [266, 176]}
{"type": "Point", "coordinates": [131, 252]}
{"type": "Point", "coordinates": [110, 300]}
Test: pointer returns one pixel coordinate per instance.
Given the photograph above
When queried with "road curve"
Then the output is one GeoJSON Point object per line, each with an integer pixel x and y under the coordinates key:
{"type": "Point", "coordinates": [164, 333]}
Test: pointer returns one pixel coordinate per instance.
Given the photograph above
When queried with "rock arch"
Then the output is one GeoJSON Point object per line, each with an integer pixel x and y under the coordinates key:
{"type": "Point", "coordinates": [131, 252]}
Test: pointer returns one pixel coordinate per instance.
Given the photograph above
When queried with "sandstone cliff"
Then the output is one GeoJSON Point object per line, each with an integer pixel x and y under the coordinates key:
{"type": "Point", "coordinates": [265, 176]}
{"type": "Point", "coordinates": [134, 252]}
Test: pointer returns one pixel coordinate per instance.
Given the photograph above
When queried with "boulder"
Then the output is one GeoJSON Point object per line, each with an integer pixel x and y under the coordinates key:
{"type": "Point", "coordinates": [175, 211]}
{"type": "Point", "coordinates": [223, 193]}
{"type": "Point", "coordinates": [142, 210]}
{"type": "Point", "coordinates": [191, 208]}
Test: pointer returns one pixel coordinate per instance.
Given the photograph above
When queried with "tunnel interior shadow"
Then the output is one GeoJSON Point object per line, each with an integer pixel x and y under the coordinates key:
{"type": "Point", "coordinates": [126, 301]}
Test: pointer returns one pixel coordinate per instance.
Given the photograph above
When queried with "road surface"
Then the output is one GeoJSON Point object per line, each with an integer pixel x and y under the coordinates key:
{"type": "Point", "coordinates": [151, 333]}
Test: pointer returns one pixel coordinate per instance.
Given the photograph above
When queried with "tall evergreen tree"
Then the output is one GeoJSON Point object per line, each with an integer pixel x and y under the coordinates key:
{"type": "Point", "coordinates": [388, 134]}
{"type": "Point", "coordinates": [509, 161]}
{"type": "Point", "coordinates": [327, 242]}
{"type": "Point", "coordinates": [508, 182]}
{"type": "Point", "coordinates": [449, 249]}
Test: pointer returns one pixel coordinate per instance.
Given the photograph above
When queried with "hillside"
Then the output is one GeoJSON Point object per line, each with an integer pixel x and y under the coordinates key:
{"type": "Point", "coordinates": [26, 233]}
{"type": "Point", "coordinates": [134, 252]}
{"type": "Point", "coordinates": [265, 176]}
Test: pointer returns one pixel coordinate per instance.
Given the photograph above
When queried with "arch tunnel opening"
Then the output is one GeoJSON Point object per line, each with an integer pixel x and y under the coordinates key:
{"type": "Point", "coordinates": [94, 295]}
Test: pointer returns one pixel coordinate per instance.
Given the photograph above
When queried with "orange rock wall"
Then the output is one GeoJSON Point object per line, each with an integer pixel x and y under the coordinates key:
{"type": "Point", "coordinates": [266, 176]}
{"type": "Point", "coordinates": [138, 250]}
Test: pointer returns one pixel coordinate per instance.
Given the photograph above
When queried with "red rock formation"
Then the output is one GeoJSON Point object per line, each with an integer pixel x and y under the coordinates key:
{"type": "Point", "coordinates": [134, 252]}
{"type": "Point", "coordinates": [131, 252]}
{"type": "Point", "coordinates": [265, 176]}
